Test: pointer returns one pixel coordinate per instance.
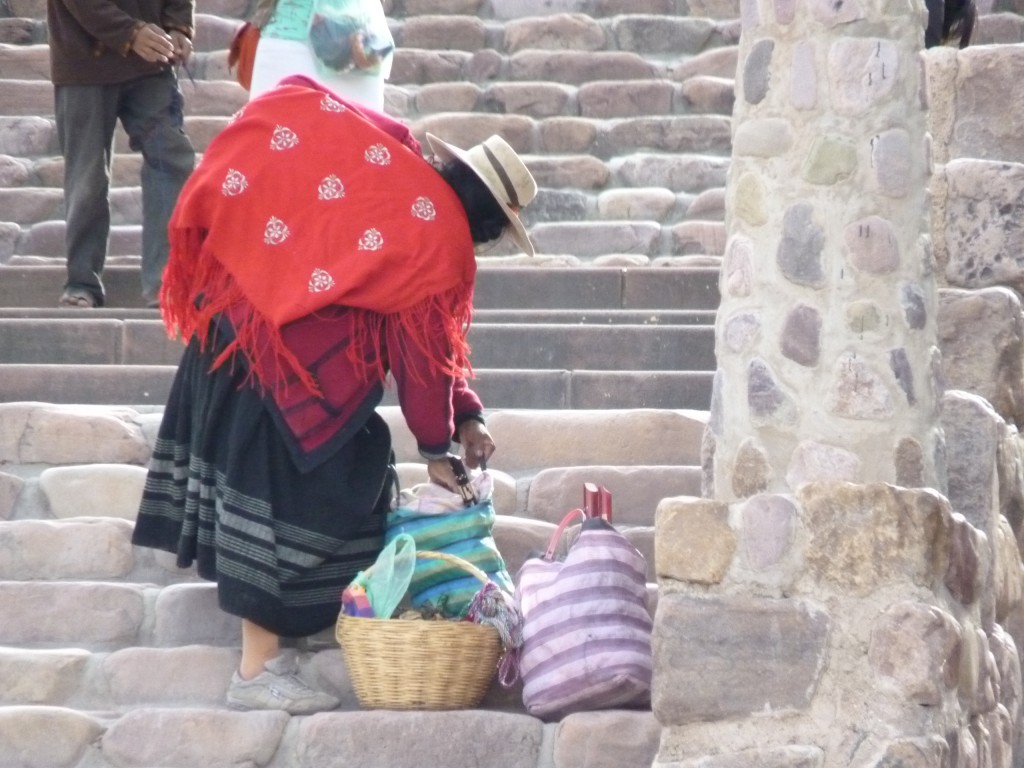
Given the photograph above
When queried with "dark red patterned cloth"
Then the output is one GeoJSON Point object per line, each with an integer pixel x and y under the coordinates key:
{"type": "Point", "coordinates": [305, 202]}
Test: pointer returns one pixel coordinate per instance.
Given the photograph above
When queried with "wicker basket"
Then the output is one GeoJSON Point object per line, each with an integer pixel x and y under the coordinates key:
{"type": "Point", "coordinates": [412, 664]}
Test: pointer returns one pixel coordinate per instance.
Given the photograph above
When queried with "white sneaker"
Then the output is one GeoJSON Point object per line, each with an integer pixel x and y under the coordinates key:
{"type": "Point", "coordinates": [278, 686]}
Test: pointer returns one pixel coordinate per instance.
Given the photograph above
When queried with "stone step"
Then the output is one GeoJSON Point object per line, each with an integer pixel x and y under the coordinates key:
{"type": "Point", "coordinates": [629, 225]}
{"type": "Point", "coordinates": [612, 97]}
{"type": "Point", "coordinates": [87, 492]}
{"type": "Point", "coordinates": [499, 10]}
{"type": "Point", "coordinates": [45, 434]}
{"type": "Point", "coordinates": [660, 224]}
{"type": "Point", "coordinates": [646, 35]}
{"type": "Point", "coordinates": [22, 31]}
{"type": "Point", "coordinates": [161, 656]}
{"type": "Point", "coordinates": [581, 144]}
{"type": "Point", "coordinates": [58, 737]}
{"type": "Point", "coordinates": [99, 551]}
{"type": "Point", "coordinates": [187, 654]}
{"type": "Point", "coordinates": [545, 389]}
{"type": "Point", "coordinates": [26, 185]}
{"type": "Point", "coordinates": [31, 156]}
{"type": "Point", "coordinates": [128, 679]}
{"type": "Point", "coordinates": [497, 287]}
{"type": "Point", "coordinates": [87, 341]}
{"type": "Point", "coordinates": [566, 316]}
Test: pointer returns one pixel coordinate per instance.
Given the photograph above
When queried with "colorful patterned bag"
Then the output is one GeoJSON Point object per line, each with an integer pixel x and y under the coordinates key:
{"type": "Point", "coordinates": [439, 520]}
{"type": "Point", "coordinates": [586, 627]}
{"type": "Point", "coordinates": [350, 36]}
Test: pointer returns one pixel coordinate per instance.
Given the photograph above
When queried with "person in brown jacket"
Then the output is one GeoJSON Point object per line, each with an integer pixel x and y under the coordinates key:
{"type": "Point", "coordinates": [116, 60]}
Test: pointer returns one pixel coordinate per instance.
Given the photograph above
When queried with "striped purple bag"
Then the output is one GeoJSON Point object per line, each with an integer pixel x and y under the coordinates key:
{"type": "Point", "coordinates": [586, 628]}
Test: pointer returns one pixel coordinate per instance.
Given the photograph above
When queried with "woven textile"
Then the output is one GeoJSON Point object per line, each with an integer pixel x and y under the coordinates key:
{"type": "Point", "coordinates": [222, 493]}
{"type": "Point", "coordinates": [365, 223]}
{"type": "Point", "coordinates": [586, 628]}
{"type": "Point", "coordinates": [465, 533]}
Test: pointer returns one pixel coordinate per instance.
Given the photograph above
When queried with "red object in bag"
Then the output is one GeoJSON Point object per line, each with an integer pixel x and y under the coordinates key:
{"type": "Point", "coordinates": [597, 501]}
{"type": "Point", "coordinates": [242, 53]}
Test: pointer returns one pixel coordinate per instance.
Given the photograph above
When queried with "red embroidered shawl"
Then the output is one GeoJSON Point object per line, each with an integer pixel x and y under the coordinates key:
{"type": "Point", "coordinates": [302, 202]}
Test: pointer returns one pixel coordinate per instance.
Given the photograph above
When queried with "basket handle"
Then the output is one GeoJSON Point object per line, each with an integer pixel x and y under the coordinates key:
{"type": "Point", "coordinates": [465, 565]}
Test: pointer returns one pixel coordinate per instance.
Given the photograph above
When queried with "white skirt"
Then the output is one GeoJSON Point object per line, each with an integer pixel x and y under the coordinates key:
{"type": "Point", "coordinates": [278, 59]}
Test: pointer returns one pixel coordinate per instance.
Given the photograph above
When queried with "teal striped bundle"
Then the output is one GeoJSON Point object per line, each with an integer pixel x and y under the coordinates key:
{"type": "Point", "coordinates": [465, 533]}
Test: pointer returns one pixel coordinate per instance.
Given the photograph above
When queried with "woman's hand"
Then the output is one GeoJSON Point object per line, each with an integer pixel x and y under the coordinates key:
{"type": "Point", "coordinates": [440, 471]}
{"type": "Point", "coordinates": [477, 443]}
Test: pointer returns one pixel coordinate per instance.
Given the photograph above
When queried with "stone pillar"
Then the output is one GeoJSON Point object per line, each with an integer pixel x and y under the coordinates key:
{"type": "Point", "coordinates": [824, 606]}
{"type": "Point", "coordinates": [826, 334]}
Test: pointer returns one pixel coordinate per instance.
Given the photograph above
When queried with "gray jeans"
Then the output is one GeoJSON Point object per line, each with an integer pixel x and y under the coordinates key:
{"type": "Point", "coordinates": [151, 111]}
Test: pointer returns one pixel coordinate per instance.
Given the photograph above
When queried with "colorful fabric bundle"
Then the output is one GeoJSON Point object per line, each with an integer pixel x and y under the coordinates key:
{"type": "Point", "coordinates": [437, 520]}
{"type": "Point", "coordinates": [586, 627]}
{"type": "Point", "coordinates": [354, 602]}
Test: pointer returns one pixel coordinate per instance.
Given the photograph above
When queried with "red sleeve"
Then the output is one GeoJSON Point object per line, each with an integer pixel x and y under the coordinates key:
{"type": "Point", "coordinates": [466, 402]}
{"type": "Point", "coordinates": [432, 403]}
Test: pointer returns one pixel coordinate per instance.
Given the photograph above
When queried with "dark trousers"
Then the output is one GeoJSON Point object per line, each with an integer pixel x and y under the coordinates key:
{"type": "Point", "coordinates": [151, 111]}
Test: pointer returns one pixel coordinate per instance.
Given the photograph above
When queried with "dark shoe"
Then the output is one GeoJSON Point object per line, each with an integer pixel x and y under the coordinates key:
{"type": "Point", "coordinates": [73, 297]}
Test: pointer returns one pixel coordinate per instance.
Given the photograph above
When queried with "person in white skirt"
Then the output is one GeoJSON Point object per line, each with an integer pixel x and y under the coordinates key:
{"type": "Point", "coordinates": [344, 44]}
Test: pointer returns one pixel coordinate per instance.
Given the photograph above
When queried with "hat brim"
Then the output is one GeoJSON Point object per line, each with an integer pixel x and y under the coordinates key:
{"type": "Point", "coordinates": [446, 152]}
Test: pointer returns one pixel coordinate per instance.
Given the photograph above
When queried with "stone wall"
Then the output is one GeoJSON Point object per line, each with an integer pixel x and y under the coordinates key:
{"type": "Point", "coordinates": [841, 625]}
{"type": "Point", "coordinates": [857, 603]}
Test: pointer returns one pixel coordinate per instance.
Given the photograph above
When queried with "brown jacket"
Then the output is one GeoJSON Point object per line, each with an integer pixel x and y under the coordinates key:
{"type": "Point", "coordinates": [90, 40]}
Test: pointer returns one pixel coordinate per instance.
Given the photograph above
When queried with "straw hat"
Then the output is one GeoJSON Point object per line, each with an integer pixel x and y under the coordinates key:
{"type": "Point", "coordinates": [498, 166]}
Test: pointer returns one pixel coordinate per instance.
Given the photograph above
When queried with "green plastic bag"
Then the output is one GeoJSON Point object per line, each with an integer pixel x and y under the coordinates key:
{"type": "Point", "coordinates": [387, 580]}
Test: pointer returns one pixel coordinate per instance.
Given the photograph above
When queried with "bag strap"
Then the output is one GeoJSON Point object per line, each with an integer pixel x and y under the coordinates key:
{"type": "Point", "coordinates": [392, 484]}
{"type": "Point", "coordinates": [556, 535]}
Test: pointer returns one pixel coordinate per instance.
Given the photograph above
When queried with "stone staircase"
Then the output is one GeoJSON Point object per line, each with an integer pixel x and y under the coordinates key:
{"type": "Point", "coordinates": [595, 360]}
{"type": "Point", "coordinates": [557, 337]}
{"type": "Point", "coordinates": [110, 656]}
{"type": "Point", "coordinates": [623, 116]}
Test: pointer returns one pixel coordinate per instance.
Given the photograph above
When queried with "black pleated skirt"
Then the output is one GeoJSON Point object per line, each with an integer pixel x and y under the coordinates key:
{"type": "Point", "coordinates": [223, 492]}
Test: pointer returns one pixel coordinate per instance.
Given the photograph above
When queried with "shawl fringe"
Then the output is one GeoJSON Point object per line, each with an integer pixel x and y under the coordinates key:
{"type": "Point", "coordinates": [197, 288]}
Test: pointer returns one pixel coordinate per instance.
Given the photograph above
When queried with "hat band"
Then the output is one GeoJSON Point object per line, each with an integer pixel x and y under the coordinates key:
{"type": "Point", "coordinates": [499, 169]}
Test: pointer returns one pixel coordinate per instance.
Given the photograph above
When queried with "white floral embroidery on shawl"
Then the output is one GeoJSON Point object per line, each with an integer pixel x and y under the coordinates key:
{"type": "Point", "coordinates": [234, 183]}
{"type": "Point", "coordinates": [283, 138]}
{"type": "Point", "coordinates": [327, 104]}
{"type": "Point", "coordinates": [276, 232]}
{"type": "Point", "coordinates": [372, 240]}
{"type": "Point", "coordinates": [331, 188]}
{"type": "Point", "coordinates": [320, 281]}
{"type": "Point", "coordinates": [377, 154]}
{"type": "Point", "coordinates": [423, 208]}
